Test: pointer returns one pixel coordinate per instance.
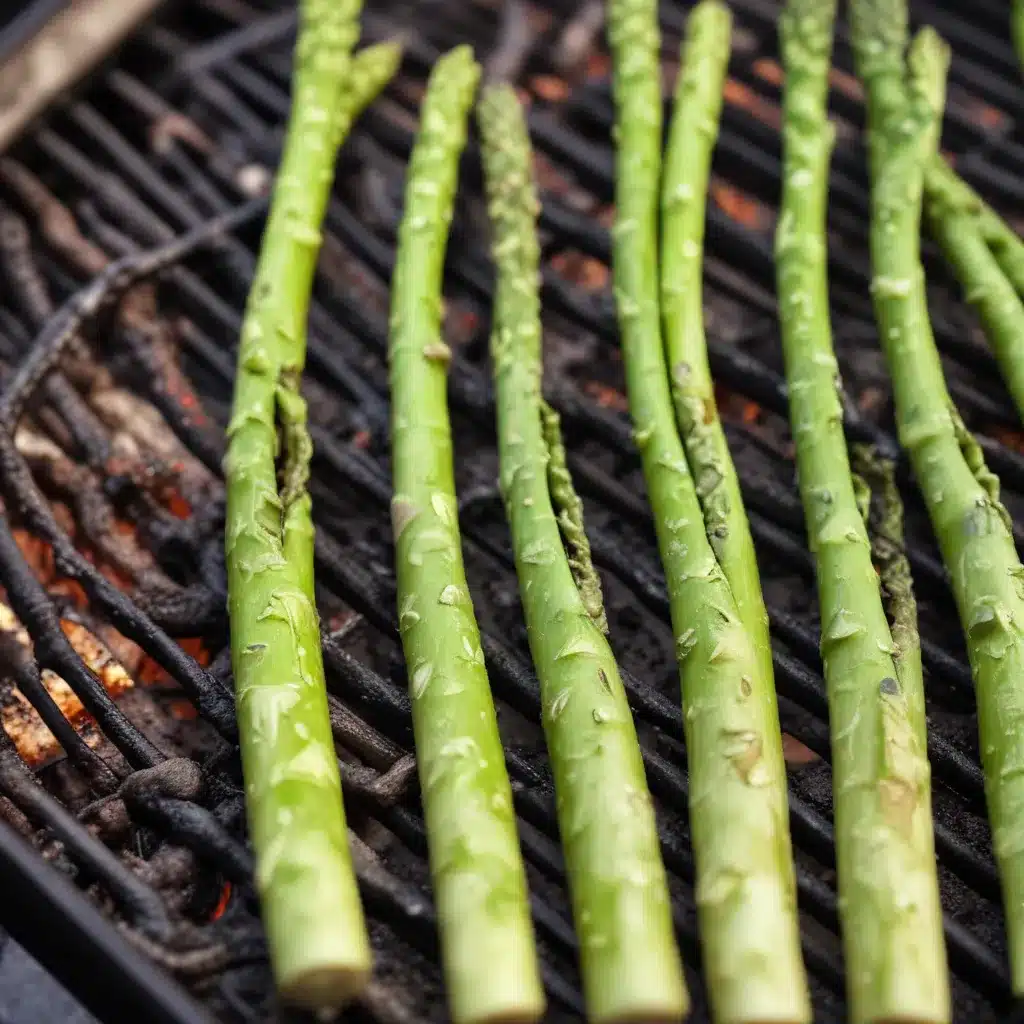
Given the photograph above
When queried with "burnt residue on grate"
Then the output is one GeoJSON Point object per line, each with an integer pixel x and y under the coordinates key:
{"type": "Point", "coordinates": [116, 755]}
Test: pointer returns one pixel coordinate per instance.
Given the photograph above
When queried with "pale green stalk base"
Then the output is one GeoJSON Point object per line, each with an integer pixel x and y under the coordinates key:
{"type": "Point", "coordinates": [487, 942]}
{"type": "Point", "coordinates": [629, 960]}
{"type": "Point", "coordinates": [960, 494]}
{"type": "Point", "coordinates": [738, 814]}
{"type": "Point", "coordinates": [319, 948]}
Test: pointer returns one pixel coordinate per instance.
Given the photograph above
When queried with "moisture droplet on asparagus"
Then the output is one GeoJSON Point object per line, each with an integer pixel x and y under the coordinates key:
{"type": "Point", "coordinates": [479, 881]}
{"type": "Point", "coordinates": [629, 960]}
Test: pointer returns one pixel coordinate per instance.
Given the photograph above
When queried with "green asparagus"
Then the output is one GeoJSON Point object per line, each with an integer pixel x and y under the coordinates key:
{"type": "Point", "coordinates": [311, 908]}
{"type": "Point", "coordinates": [479, 880]}
{"type": "Point", "coordinates": [955, 222]}
{"type": "Point", "coordinates": [694, 127]}
{"type": "Point", "coordinates": [946, 188]}
{"type": "Point", "coordinates": [985, 285]}
{"type": "Point", "coordinates": [888, 889]}
{"type": "Point", "coordinates": [738, 806]}
{"type": "Point", "coordinates": [630, 964]}
{"type": "Point", "coordinates": [1017, 28]}
{"type": "Point", "coordinates": [960, 493]}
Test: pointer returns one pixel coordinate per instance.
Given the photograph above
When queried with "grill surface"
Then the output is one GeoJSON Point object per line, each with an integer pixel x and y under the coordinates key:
{"type": "Point", "coordinates": [127, 439]}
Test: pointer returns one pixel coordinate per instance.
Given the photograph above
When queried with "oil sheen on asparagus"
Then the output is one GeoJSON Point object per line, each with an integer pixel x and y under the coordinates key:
{"type": "Point", "coordinates": [738, 809]}
{"type": "Point", "coordinates": [961, 495]}
{"type": "Point", "coordinates": [479, 880]}
{"type": "Point", "coordinates": [888, 889]}
{"type": "Point", "coordinates": [310, 902]}
{"type": "Point", "coordinates": [629, 960]}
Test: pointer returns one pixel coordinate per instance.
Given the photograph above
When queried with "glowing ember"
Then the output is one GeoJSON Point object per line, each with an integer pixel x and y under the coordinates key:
{"type": "Point", "coordinates": [222, 903]}
{"type": "Point", "coordinates": [33, 740]}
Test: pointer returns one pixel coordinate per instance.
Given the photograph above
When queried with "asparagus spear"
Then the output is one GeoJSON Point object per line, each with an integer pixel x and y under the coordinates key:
{"type": "Point", "coordinates": [955, 222]}
{"type": "Point", "coordinates": [479, 880]}
{"type": "Point", "coordinates": [738, 812]}
{"type": "Point", "coordinates": [314, 920]}
{"type": "Point", "coordinates": [957, 230]}
{"type": "Point", "coordinates": [630, 964]}
{"type": "Point", "coordinates": [960, 493]}
{"type": "Point", "coordinates": [1017, 16]}
{"type": "Point", "coordinates": [888, 890]}
{"type": "Point", "coordinates": [945, 187]}
{"type": "Point", "coordinates": [694, 127]}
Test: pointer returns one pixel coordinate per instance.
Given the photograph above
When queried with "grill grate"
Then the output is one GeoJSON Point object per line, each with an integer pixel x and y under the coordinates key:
{"type": "Point", "coordinates": [187, 127]}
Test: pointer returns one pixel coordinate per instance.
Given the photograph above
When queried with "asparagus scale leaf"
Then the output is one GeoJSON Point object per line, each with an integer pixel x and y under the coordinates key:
{"type": "Point", "coordinates": [311, 908]}
{"type": "Point", "coordinates": [630, 964]}
{"type": "Point", "coordinates": [738, 808]}
{"type": "Point", "coordinates": [960, 493]}
{"type": "Point", "coordinates": [479, 881]}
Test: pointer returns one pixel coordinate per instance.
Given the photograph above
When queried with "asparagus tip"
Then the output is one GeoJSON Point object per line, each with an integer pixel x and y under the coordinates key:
{"type": "Point", "coordinates": [387, 54]}
{"type": "Point", "coordinates": [714, 11]}
{"type": "Point", "coordinates": [928, 60]}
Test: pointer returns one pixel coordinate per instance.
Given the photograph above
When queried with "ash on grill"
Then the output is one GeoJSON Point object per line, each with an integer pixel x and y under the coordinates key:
{"type": "Point", "coordinates": [111, 480]}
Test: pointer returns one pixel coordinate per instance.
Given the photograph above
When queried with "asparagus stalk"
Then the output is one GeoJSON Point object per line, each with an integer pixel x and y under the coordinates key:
{"type": "Point", "coordinates": [738, 812]}
{"type": "Point", "coordinates": [946, 188]}
{"type": "Point", "coordinates": [888, 889]}
{"type": "Point", "coordinates": [957, 230]}
{"type": "Point", "coordinates": [630, 964]}
{"type": "Point", "coordinates": [955, 222]}
{"type": "Point", "coordinates": [479, 880]}
{"type": "Point", "coordinates": [1017, 28]}
{"type": "Point", "coordinates": [311, 908]}
{"type": "Point", "coordinates": [694, 128]}
{"type": "Point", "coordinates": [960, 493]}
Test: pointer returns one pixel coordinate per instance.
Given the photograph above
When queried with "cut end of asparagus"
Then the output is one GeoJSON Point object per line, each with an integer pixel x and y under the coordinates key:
{"type": "Point", "coordinates": [328, 986]}
{"type": "Point", "coordinates": [521, 1013]}
{"type": "Point", "coordinates": [654, 1015]}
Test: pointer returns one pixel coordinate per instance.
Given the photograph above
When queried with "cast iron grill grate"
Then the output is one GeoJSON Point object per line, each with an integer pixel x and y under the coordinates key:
{"type": "Point", "coordinates": [115, 449]}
